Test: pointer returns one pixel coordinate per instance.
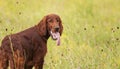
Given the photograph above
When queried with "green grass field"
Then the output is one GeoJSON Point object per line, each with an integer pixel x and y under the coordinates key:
{"type": "Point", "coordinates": [91, 36]}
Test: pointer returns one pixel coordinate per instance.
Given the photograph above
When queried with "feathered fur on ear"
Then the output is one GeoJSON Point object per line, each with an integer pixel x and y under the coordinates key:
{"type": "Point", "coordinates": [42, 26]}
{"type": "Point", "coordinates": [61, 26]}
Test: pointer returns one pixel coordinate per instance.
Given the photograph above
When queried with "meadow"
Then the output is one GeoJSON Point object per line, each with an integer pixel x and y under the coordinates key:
{"type": "Point", "coordinates": [91, 36]}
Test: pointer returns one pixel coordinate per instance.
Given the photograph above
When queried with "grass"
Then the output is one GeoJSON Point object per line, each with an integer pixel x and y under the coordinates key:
{"type": "Point", "coordinates": [91, 37]}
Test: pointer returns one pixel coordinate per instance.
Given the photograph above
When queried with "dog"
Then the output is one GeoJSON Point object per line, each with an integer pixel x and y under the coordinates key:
{"type": "Point", "coordinates": [27, 48]}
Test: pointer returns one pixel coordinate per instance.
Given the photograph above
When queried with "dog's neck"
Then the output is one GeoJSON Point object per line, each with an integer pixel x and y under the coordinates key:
{"type": "Point", "coordinates": [47, 36]}
{"type": "Point", "coordinates": [44, 37]}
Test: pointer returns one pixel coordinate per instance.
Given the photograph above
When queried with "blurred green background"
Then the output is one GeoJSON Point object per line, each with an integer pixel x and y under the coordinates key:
{"type": "Point", "coordinates": [91, 36]}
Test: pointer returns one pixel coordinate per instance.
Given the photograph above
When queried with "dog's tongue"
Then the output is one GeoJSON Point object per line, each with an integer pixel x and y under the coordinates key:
{"type": "Point", "coordinates": [58, 38]}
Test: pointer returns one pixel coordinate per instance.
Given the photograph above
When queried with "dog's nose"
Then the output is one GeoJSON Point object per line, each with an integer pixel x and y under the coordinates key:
{"type": "Point", "coordinates": [57, 28]}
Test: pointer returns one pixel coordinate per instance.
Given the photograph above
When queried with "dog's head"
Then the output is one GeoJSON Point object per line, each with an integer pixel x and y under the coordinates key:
{"type": "Point", "coordinates": [52, 25]}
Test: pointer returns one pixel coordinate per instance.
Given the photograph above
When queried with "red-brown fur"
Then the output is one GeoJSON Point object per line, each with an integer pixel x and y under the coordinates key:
{"type": "Point", "coordinates": [29, 46]}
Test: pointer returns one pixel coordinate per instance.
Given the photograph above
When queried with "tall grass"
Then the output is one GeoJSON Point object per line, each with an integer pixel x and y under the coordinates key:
{"type": "Point", "coordinates": [91, 37]}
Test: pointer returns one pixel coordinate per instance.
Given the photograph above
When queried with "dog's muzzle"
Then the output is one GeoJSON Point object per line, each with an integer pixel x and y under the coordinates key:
{"type": "Point", "coordinates": [56, 36]}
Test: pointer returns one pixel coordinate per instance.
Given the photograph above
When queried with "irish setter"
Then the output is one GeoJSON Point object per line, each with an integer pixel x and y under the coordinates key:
{"type": "Point", "coordinates": [28, 48]}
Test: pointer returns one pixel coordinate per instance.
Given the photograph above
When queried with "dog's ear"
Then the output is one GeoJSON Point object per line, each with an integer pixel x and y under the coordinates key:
{"type": "Point", "coordinates": [42, 26]}
{"type": "Point", "coordinates": [61, 26]}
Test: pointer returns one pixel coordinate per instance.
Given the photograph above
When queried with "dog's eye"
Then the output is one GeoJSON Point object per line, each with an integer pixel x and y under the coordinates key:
{"type": "Point", "coordinates": [57, 20]}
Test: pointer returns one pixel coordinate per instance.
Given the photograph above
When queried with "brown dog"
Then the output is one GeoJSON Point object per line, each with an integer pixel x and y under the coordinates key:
{"type": "Point", "coordinates": [28, 48]}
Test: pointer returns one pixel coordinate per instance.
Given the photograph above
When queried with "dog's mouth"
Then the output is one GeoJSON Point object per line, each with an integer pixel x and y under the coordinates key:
{"type": "Point", "coordinates": [55, 36]}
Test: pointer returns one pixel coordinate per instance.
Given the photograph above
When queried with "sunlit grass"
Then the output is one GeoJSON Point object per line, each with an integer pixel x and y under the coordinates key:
{"type": "Point", "coordinates": [91, 36]}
